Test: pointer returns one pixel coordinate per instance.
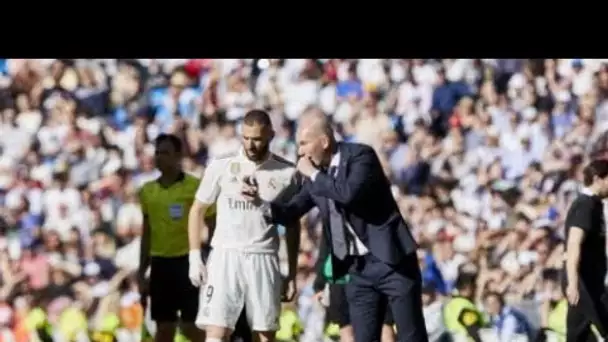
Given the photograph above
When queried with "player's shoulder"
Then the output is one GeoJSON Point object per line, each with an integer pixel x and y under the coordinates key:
{"type": "Point", "coordinates": [226, 156]}
{"type": "Point", "coordinates": [221, 161]}
{"type": "Point", "coordinates": [282, 162]}
{"type": "Point", "coordinates": [283, 170]}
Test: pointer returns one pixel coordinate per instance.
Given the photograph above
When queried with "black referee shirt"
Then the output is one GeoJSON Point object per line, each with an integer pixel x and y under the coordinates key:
{"type": "Point", "coordinates": [587, 213]}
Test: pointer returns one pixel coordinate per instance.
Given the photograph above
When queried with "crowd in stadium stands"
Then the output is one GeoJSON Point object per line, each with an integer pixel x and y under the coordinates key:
{"type": "Point", "coordinates": [484, 156]}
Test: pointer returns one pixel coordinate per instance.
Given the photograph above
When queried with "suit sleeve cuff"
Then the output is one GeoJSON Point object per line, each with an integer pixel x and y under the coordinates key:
{"type": "Point", "coordinates": [314, 175]}
{"type": "Point", "coordinates": [318, 284]}
{"type": "Point", "coordinates": [266, 210]}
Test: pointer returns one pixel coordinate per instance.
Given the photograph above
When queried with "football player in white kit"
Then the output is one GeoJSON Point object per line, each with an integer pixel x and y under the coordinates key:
{"type": "Point", "coordinates": [243, 267]}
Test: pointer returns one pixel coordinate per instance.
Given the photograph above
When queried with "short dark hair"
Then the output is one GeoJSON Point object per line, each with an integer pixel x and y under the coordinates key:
{"type": "Point", "coordinates": [597, 167]}
{"type": "Point", "coordinates": [170, 138]}
{"type": "Point", "coordinates": [496, 295]}
{"type": "Point", "coordinates": [465, 280]}
{"type": "Point", "coordinates": [551, 274]}
{"type": "Point", "coordinates": [257, 116]}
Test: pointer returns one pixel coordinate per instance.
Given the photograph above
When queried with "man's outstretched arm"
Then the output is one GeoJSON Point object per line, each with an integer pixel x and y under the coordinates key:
{"type": "Point", "coordinates": [364, 168]}
{"type": "Point", "coordinates": [289, 211]}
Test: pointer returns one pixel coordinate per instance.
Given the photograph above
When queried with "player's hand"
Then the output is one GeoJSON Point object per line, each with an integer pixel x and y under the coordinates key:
{"type": "Point", "coordinates": [319, 297]}
{"type": "Point", "coordinates": [249, 189]}
{"type": "Point", "coordinates": [197, 272]}
{"type": "Point", "coordinates": [572, 293]}
{"type": "Point", "coordinates": [306, 167]}
{"type": "Point", "coordinates": [289, 290]}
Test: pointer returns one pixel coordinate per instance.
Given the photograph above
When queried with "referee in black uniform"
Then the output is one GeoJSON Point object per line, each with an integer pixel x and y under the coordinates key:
{"type": "Point", "coordinates": [586, 257]}
{"type": "Point", "coordinates": [338, 311]}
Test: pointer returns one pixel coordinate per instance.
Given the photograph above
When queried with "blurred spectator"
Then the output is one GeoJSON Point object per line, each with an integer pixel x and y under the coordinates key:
{"type": "Point", "coordinates": [505, 320]}
{"type": "Point", "coordinates": [433, 315]}
{"type": "Point", "coordinates": [461, 316]}
{"type": "Point", "coordinates": [484, 156]}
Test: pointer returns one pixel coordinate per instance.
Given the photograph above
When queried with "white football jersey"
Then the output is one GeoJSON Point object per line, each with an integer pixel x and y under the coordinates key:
{"type": "Point", "coordinates": [240, 224]}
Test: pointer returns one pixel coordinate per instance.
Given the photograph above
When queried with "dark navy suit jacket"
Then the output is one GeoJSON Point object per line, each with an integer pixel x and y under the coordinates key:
{"type": "Point", "coordinates": [363, 194]}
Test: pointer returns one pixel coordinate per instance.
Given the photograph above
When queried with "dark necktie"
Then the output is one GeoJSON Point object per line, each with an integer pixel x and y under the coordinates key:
{"type": "Point", "coordinates": [337, 226]}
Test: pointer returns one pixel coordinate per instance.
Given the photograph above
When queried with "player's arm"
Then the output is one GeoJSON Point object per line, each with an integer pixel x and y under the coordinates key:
{"type": "Point", "coordinates": [196, 224]}
{"type": "Point", "coordinates": [210, 220]}
{"type": "Point", "coordinates": [144, 248]}
{"type": "Point", "coordinates": [576, 234]}
{"type": "Point", "coordinates": [206, 195]}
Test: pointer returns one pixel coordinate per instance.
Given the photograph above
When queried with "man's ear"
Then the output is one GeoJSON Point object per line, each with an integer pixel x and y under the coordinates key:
{"type": "Point", "coordinates": [325, 142]}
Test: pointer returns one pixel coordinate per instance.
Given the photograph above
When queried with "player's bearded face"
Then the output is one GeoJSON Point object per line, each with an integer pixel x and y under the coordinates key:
{"type": "Point", "coordinates": [257, 150]}
{"type": "Point", "coordinates": [256, 141]}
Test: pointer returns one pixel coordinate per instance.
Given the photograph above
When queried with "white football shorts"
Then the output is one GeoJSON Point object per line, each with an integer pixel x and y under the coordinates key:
{"type": "Point", "coordinates": [239, 279]}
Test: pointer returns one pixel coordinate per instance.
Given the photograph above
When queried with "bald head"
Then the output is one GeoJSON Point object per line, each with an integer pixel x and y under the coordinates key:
{"type": "Point", "coordinates": [315, 136]}
{"type": "Point", "coordinates": [316, 122]}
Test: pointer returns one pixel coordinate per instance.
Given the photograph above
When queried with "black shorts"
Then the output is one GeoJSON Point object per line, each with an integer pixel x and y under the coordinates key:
{"type": "Point", "coordinates": [338, 308]}
{"type": "Point", "coordinates": [171, 293]}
